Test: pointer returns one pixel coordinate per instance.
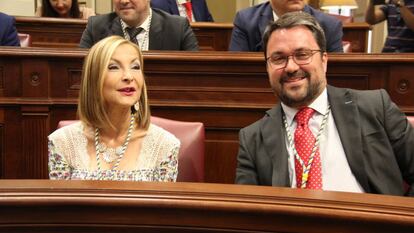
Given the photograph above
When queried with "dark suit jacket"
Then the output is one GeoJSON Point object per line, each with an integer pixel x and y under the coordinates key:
{"type": "Point", "coordinates": [250, 24]}
{"type": "Point", "coordinates": [167, 32]}
{"type": "Point", "coordinates": [200, 9]}
{"type": "Point", "coordinates": [8, 32]}
{"type": "Point", "coordinates": [377, 138]}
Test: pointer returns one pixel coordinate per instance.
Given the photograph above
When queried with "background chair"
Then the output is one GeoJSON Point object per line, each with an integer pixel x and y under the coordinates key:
{"type": "Point", "coordinates": [191, 155]}
{"type": "Point", "coordinates": [25, 40]}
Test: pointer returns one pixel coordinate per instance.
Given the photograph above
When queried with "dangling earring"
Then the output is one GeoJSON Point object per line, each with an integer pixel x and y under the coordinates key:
{"type": "Point", "coordinates": [136, 106]}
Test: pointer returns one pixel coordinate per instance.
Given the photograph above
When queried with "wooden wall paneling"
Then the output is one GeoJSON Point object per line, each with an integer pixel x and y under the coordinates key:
{"type": "Point", "coordinates": [226, 91]}
{"type": "Point", "coordinates": [212, 36]}
{"type": "Point", "coordinates": [52, 32]}
{"type": "Point", "coordinates": [35, 129]}
{"type": "Point", "coordinates": [64, 33]}
{"type": "Point", "coordinates": [401, 86]}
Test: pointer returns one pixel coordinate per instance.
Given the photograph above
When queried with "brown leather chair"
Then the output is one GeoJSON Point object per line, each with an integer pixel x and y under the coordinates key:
{"type": "Point", "coordinates": [25, 40]}
{"type": "Point", "coordinates": [191, 155]}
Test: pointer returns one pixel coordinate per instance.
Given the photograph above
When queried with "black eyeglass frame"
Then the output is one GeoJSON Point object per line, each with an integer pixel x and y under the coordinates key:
{"type": "Point", "coordinates": [286, 58]}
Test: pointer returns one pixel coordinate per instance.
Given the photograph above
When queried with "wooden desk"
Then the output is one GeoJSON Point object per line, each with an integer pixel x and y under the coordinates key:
{"type": "Point", "coordinates": [87, 206]}
{"type": "Point", "coordinates": [58, 33]}
{"type": "Point", "coordinates": [52, 32]}
{"type": "Point", "coordinates": [226, 91]}
{"type": "Point", "coordinates": [357, 34]}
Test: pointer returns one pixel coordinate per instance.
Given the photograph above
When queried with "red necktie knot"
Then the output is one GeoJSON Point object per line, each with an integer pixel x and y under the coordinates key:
{"type": "Point", "coordinates": [302, 117]}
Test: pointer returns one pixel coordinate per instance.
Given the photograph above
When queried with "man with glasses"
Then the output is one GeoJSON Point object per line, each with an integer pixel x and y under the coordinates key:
{"type": "Point", "coordinates": [320, 136]}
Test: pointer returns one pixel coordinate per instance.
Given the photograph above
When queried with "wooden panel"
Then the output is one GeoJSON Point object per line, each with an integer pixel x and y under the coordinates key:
{"type": "Point", "coordinates": [357, 34]}
{"type": "Point", "coordinates": [62, 33]}
{"type": "Point", "coordinates": [226, 91]}
{"type": "Point", "coordinates": [87, 206]}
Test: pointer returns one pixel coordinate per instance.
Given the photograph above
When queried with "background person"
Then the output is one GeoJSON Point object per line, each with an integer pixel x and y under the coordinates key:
{"type": "Point", "coordinates": [199, 9]}
{"type": "Point", "coordinates": [114, 139]}
{"type": "Point", "coordinates": [319, 136]}
{"type": "Point", "coordinates": [250, 23]}
{"type": "Point", "coordinates": [152, 29]}
{"type": "Point", "coordinates": [8, 32]}
{"type": "Point", "coordinates": [400, 24]}
{"type": "Point", "coordinates": [63, 9]}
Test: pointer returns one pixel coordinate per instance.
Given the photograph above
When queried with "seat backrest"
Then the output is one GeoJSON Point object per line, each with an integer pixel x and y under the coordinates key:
{"type": "Point", "coordinates": [191, 155]}
{"type": "Point", "coordinates": [25, 40]}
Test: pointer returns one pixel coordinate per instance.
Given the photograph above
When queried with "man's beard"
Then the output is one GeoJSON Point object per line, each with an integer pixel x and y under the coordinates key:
{"type": "Point", "coordinates": [312, 91]}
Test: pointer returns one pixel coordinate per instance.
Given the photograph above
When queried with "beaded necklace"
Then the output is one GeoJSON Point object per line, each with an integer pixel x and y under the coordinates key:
{"type": "Point", "coordinates": [109, 155]}
{"type": "Point", "coordinates": [306, 168]}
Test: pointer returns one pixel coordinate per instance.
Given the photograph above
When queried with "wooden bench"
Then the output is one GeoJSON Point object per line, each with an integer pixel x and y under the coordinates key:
{"type": "Point", "coordinates": [226, 91]}
{"type": "Point", "coordinates": [58, 33]}
{"type": "Point", "coordinates": [101, 207]}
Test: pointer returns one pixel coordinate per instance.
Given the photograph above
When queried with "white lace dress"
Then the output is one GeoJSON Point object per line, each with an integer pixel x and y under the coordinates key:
{"type": "Point", "coordinates": [68, 157]}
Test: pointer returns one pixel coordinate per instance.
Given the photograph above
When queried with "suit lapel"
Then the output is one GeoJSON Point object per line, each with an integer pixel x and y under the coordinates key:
{"type": "Point", "coordinates": [155, 34]}
{"type": "Point", "coordinates": [115, 28]}
{"type": "Point", "coordinates": [172, 5]}
{"type": "Point", "coordinates": [273, 134]}
{"type": "Point", "coordinates": [347, 119]}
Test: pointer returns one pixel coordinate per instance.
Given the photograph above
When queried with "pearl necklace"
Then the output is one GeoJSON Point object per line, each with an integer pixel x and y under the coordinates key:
{"type": "Point", "coordinates": [109, 155]}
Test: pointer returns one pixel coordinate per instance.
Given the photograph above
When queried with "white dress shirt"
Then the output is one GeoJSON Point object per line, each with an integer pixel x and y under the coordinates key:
{"type": "Point", "coordinates": [336, 172]}
{"type": "Point", "coordinates": [143, 36]}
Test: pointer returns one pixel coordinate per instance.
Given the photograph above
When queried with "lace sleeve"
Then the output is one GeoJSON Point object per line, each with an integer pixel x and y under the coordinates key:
{"type": "Point", "coordinates": [59, 168]}
{"type": "Point", "coordinates": [169, 165]}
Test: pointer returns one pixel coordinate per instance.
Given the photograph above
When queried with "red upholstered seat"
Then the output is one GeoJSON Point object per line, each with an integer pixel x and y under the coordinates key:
{"type": "Point", "coordinates": [191, 155]}
{"type": "Point", "coordinates": [25, 40]}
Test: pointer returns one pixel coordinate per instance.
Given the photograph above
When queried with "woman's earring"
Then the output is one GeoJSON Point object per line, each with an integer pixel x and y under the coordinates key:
{"type": "Point", "coordinates": [136, 106]}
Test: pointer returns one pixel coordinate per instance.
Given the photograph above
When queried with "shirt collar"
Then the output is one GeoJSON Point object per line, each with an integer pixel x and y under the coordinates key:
{"type": "Point", "coordinates": [319, 105]}
{"type": "Point", "coordinates": [182, 1]}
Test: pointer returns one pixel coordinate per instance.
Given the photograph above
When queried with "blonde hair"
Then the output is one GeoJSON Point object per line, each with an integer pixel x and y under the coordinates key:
{"type": "Point", "coordinates": [91, 106]}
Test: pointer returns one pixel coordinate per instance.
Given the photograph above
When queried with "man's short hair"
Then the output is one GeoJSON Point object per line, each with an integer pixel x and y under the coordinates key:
{"type": "Point", "coordinates": [293, 19]}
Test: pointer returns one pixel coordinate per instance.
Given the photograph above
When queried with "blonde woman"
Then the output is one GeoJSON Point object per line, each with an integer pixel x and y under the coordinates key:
{"type": "Point", "coordinates": [114, 139]}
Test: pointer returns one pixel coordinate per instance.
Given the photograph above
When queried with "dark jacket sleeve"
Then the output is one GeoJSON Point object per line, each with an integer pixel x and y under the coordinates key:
{"type": "Point", "coordinates": [188, 39]}
{"type": "Point", "coordinates": [239, 37]}
{"type": "Point", "coordinates": [87, 40]}
{"type": "Point", "coordinates": [334, 37]}
{"type": "Point", "coordinates": [246, 168]}
{"type": "Point", "coordinates": [401, 136]}
{"type": "Point", "coordinates": [10, 36]}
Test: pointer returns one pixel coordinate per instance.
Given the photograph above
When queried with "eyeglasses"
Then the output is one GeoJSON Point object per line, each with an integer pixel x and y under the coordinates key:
{"type": "Point", "coordinates": [300, 57]}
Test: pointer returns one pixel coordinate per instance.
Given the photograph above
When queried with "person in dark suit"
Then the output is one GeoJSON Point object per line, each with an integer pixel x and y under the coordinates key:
{"type": "Point", "coordinates": [249, 24]}
{"type": "Point", "coordinates": [155, 29]}
{"type": "Point", "coordinates": [359, 141]}
{"type": "Point", "coordinates": [8, 32]}
{"type": "Point", "coordinates": [199, 9]}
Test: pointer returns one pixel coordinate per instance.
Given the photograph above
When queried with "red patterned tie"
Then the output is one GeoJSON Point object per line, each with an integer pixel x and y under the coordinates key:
{"type": "Point", "coordinates": [189, 11]}
{"type": "Point", "coordinates": [304, 142]}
